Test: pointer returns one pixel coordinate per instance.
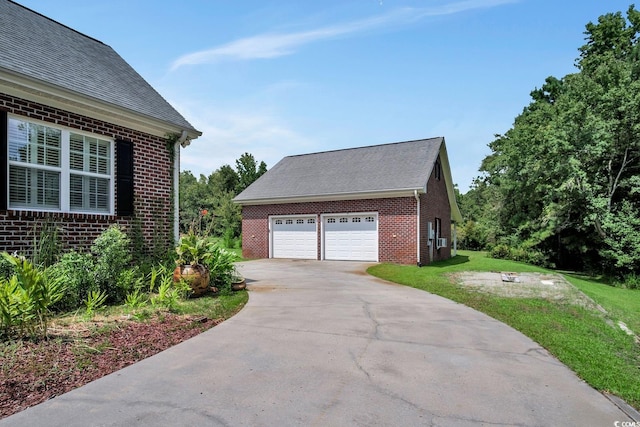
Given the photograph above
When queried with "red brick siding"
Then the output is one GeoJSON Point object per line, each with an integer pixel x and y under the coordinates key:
{"type": "Point", "coordinates": [435, 204]}
{"type": "Point", "coordinates": [396, 225]}
{"type": "Point", "coordinates": [152, 186]}
{"type": "Point", "coordinates": [397, 237]}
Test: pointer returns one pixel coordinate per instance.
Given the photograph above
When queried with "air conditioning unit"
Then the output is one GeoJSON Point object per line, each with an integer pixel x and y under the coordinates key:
{"type": "Point", "coordinates": [442, 242]}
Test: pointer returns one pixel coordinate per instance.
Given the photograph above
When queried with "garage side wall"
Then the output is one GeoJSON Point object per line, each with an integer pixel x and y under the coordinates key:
{"type": "Point", "coordinates": [397, 226]}
{"type": "Point", "coordinates": [435, 204]}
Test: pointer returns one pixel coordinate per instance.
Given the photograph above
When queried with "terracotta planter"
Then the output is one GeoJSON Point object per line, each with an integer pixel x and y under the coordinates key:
{"type": "Point", "coordinates": [238, 286]}
{"type": "Point", "coordinates": [197, 276]}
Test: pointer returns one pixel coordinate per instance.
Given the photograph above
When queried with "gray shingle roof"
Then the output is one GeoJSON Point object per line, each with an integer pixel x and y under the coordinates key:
{"type": "Point", "coordinates": [379, 168]}
{"type": "Point", "coordinates": [43, 49]}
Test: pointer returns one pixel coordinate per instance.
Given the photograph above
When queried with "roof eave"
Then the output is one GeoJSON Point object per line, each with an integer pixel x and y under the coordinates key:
{"type": "Point", "coordinates": [45, 93]}
{"type": "Point", "coordinates": [379, 194]}
{"type": "Point", "coordinates": [456, 215]}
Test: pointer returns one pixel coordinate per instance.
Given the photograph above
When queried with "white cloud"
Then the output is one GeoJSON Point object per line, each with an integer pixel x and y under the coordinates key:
{"type": "Point", "coordinates": [273, 45]}
{"type": "Point", "coordinates": [227, 135]}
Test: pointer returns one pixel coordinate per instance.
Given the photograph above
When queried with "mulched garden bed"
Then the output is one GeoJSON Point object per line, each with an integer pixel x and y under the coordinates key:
{"type": "Point", "coordinates": [34, 371]}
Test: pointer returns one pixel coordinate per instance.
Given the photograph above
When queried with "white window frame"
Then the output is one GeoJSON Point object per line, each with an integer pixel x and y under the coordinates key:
{"type": "Point", "coordinates": [64, 169]}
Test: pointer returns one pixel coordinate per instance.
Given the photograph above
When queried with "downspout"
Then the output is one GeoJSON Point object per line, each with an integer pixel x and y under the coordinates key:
{"type": "Point", "coordinates": [415, 194]}
{"type": "Point", "coordinates": [455, 239]}
{"type": "Point", "coordinates": [181, 142]}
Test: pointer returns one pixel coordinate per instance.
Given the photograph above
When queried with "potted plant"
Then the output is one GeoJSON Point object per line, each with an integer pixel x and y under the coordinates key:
{"type": "Point", "coordinates": [193, 252]}
{"type": "Point", "coordinates": [237, 281]}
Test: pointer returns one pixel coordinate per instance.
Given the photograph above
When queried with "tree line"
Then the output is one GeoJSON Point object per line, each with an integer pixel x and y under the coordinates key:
{"type": "Point", "coordinates": [562, 186]}
{"type": "Point", "coordinates": [206, 203]}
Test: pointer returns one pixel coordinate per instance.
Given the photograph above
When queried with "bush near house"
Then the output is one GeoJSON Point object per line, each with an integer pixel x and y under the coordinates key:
{"type": "Point", "coordinates": [83, 282]}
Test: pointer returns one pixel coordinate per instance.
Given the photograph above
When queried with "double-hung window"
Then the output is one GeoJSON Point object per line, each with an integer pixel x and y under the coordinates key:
{"type": "Point", "coordinates": [54, 169]}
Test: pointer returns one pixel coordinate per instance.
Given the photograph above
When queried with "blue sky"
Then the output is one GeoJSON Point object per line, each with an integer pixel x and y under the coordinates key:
{"type": "Point", "coordinates": [277, 78]}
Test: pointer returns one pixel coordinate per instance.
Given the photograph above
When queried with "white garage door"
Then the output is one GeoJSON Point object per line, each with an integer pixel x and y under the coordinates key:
{"type": "Point", "coordinates": [351, 237]}
{"type": "Point", "coordinates": [294, 237]}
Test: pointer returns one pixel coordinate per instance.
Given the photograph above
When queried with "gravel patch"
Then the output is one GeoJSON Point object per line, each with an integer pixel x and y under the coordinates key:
{"type": "Point", "coordinates": [526, 285]}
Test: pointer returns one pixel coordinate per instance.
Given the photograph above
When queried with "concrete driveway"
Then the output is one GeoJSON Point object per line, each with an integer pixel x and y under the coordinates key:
{"type": "Point", "coordinates": [324, 344]}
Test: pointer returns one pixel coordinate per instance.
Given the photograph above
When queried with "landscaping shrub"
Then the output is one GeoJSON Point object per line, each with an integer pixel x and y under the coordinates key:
{"type": "Point", "coordinates": [169, 293]}
{"type": "Point", "coordinates": [632, 281]}
{"type": "Point", "coordinates": [520, 254]}
{"type": "Point", "coordinates": [77, 271]}
{"type": "Point", "coordinates": [26, 298]}
{"type": "Point", "coordinates": [94, 301]}
{"type": "Point", "coordinates": [136, 299]}
{"type": "Point", "coordinates": [6, 268]}
{"type": "Point", "coordinates": [472, 236]}
{"type": "Point", "coordinates": [629, 281]}
{"type": "Point", "coordinates": [221, 267]}
{"type": "Point", "coordinates": [228, 238]}
{"type": "Point", "coordinates": [47, 248]}
{"type": "Point", "coordinates": [112, 255]}
{"type": "Point", "coordinates": [128, 281]}
{"type": "Point", "coordinates": [500, 251]}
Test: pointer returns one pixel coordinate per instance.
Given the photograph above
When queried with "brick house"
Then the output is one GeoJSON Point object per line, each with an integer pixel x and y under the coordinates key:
{"type": "Point", "coordinates": [383, 203]}
{"type": "Point", "coordinates": [85, 141]}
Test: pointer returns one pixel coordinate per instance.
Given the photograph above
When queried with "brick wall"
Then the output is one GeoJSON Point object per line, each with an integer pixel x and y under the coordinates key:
{"type": "Point", "coordinates": [435, 204]}
{"type": "Point", "coordinates": [396, 225]}
{"type": "Point", "coordinates": [397, 237]}
{"type": "Point", "coordinates": [152, 187]}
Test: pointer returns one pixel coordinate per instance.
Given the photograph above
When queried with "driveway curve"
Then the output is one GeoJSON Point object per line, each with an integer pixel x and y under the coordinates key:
{"type": "Point", "coordinates": [324, 344]}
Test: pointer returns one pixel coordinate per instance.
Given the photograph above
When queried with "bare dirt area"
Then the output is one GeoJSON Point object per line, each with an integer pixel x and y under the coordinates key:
{"type": "Point", "coordinates": [35, 371]}
{"type": "Point", "coordinates": [525, 285]}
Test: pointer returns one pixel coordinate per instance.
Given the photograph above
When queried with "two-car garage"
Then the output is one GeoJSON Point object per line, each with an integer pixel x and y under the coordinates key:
{"type": "Point", "coordinates": [347, 237]}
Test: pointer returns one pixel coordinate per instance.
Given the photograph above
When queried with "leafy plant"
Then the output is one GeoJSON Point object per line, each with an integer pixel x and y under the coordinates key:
{"type": "Point", "coordinates": [630, 281]}
{"type": "Point", "coordinates": [500, 251]}
{"type": "Point", "coordinates": [135, 299]}
{"type": "Point", "coordinates": [26, 297]}
{"type": "Point", "coordinates": [193, 249]}
{"type": "Point", "coordinates": [94, 301]}
{"type": "Point", "coordinates": [47, 248]}
{"type": "Point", "coordinates": [128, 281]}
{"type": "Point", "coordinates": [6, 268]}
{"type": "Point", "coordinates": [182, 289]}
{"type": "Point", "coordinates": [77, 271]}
{"type": "Point", "coordinates": [167, 296]}
{"type": "Point", "coordinates": [221, 266]}
{"type": "Point", "coordinates": [10, 305]}
{"type": "Point", "coordinates": [113, 255]}
{"type": "Point", "coordinates": [155, 275]}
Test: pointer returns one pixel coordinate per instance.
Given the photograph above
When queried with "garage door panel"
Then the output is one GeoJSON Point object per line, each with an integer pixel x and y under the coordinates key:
{"type": "Point", "coordinates": [352, 237]}
{"type": "Point", "coordinates": [294, 238]}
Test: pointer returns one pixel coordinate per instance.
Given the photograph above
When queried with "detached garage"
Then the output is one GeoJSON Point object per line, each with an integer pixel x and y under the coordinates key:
{"type": "Point", "coordinates": [382, 203]}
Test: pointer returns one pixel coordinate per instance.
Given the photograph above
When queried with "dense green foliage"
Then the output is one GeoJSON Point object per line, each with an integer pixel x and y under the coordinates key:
{"type": "Point", "coordinates": [564, 182]}
{"type": "Point", "coordinates": [583, 338]}
{"type": "Point", "coordinates": [112, 255]}
{"type": "Point", "coordinates": [76, 269]}
{"type": "Point", "coordinates": [87, 282]}
{"type": "Point", "coordinates": [26, 298]}
{"type": "Point", "coordinates": [206, 203]}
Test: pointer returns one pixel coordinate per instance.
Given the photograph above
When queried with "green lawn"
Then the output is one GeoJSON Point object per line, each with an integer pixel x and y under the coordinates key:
{"type": "Point", "coordinates": [604, 356]}
{"type": "Point", "coordinates": [622, 304]}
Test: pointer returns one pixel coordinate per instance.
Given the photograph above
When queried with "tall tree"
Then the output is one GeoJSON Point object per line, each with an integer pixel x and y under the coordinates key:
{"type": "Point", "coordinates": [568, 171]}
{"type": "Point", "coordinates": [223, 180]}
{"type": "Point", "coordinates": [248, 171]}
{"type": "Point", "coordinates": [206, 203]}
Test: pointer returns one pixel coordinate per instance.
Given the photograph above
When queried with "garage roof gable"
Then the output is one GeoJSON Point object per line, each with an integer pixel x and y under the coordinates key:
{"type": "Point", "coordinates": [386, 170]}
